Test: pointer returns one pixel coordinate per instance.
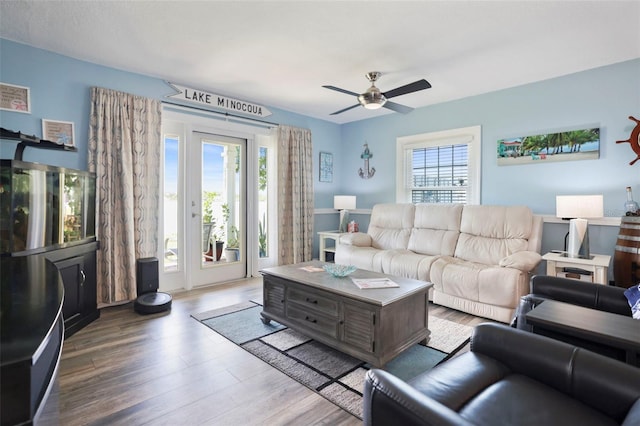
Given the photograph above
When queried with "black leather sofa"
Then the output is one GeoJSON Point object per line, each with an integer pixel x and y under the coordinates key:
{"type": "Point", "coordinates": [510, 377]}
{"type": "Point", "coordinates": [594, 296]}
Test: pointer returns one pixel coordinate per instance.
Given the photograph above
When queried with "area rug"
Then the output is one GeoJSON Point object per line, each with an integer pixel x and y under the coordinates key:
{"type": "Point", "coordinates": [336, 376]}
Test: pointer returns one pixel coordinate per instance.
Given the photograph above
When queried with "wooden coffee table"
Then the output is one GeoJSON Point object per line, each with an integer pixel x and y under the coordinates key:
{"type": "Point", "coordinates": [373, 325]}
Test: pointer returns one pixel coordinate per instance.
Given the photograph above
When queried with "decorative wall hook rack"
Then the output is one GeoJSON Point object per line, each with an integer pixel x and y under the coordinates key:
{"type": "Point", "coordinates": [367, 172]}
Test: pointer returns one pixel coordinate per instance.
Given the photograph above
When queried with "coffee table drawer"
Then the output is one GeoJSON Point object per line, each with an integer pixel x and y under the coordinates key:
{"type": "Point", "coordinates": [312, 320]}
{"type": "Point", "coordinates": [314, 301]}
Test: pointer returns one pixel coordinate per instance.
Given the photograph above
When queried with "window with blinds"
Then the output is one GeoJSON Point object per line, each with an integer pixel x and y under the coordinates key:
{"type": "Point", "coordinates": [439, 167]}
{"type": "Point", "coordinates": [439, 174]}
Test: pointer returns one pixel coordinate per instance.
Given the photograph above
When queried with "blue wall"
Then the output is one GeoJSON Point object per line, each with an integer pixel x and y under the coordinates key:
{"type": "Point", "coordinates": [60, 90]}
{"type": "Point", "coordinates": [603, 97]}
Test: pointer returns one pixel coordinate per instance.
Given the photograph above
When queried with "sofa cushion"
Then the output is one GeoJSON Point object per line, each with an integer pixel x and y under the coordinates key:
{"type": "Point", "coordinates": [391, 225]}
{"type": "Point", "coordinates": [489, 407]}
{"type": "Point", "coordinates": [478, 282]}
{"type": "Point", "coordinates": [459, 380]}
{"type": "Point", "coordinates": [405, 263]}
{"type": "Point", "coordinates": [362, 257]}
{"type": "Point", "coordinates": [436, 228]}
{"type": "Point", "coordinates": [491, 233]}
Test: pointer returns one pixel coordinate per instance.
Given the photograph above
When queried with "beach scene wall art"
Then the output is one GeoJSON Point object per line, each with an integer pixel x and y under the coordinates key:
{"type": "Point", "coordinates": [571, 145]}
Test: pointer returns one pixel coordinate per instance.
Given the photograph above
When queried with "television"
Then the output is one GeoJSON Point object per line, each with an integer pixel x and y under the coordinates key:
{"type": "Point", "coordinates": [44, 207]}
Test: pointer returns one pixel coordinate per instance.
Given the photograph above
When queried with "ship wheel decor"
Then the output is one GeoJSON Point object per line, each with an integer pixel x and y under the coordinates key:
{"type": "Point", "coordinates": [634, 140]}
{"type": "Point", "coordinates": [367, 172]}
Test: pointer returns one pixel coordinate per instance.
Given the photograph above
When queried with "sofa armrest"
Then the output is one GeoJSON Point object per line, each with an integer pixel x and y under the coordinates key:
{"type": "Point", "coordinates": [594, 296]}
{"type": "Point", "coordinates": [603, 383]}
{"type": "Point", "coordinates": [358, 239]}
{"type": "Point", "coordinates": [522, 260]}
{"type": "Point", "coordinates": [526, 305]}
{"type": "Point", "coordinates": [389, 400]}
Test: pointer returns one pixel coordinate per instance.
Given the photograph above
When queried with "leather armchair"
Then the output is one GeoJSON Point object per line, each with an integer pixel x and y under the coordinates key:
{"type": "Point", "coordinates": [593, 296]}
{"type": "Point", "coordinates": [510, 377]}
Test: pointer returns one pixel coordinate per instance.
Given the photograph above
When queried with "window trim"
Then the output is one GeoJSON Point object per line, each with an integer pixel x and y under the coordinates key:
{"type": "Point", "coordinates": [471, 135]}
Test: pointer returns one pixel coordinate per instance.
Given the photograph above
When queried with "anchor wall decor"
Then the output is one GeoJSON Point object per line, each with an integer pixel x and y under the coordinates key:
{"type": "Point", "coordinates": [367, 172]}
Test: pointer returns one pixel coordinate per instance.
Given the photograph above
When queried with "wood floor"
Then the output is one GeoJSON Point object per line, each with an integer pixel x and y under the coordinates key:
{"type": "Point", "coordinates": [130, 369]}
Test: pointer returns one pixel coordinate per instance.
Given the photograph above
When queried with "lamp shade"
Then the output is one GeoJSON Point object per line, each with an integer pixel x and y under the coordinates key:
{"type": "Point", "coordinates": [344, 202]}
{"type": "Point", "coordinates": [579, 206]}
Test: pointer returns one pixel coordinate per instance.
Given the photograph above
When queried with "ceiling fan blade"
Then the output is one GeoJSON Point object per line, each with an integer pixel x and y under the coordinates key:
{"type": "Point", "coordinates": [408, 88]}
{"type": "Point", "coordinates": [346, 109]}
{"type": "Point", "coordinates": [337, 89]}
{"type": "Point", "coordinates": [402, 109]}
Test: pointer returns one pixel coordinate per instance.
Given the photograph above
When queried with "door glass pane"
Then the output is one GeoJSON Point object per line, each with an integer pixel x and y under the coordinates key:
{"type": "Point", "coordinates": [171, 202]}
{"type": "Point", "coordinates": [221, 202]}
{"type": "Point", "coordinates": [263, 247]}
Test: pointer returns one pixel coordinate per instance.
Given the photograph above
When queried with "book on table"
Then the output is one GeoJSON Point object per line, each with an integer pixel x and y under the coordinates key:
{"type": "Point", "coordinates": [365, 283]}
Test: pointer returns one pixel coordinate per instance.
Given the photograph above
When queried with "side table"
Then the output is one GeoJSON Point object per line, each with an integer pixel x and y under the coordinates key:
{"type": "Point", "coordinates": [598, 265]}
{"type": "Point", "coordinates": [323, 248]}
{"type": "Point", "coordinates": [592, 325]}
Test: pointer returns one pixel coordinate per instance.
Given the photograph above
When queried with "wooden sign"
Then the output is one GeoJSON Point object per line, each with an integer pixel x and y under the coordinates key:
{"type": "Point", "coordinates": [201, 97]}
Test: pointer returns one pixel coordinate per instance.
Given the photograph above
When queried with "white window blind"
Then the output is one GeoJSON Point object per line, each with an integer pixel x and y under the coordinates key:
{"type": "Point", "coordinates": [439, 174]}
{"type": "Point", "coordinates": [441, 167]}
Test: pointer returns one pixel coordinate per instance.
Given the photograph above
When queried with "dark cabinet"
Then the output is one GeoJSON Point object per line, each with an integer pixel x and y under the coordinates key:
{"type": "Point", "coordinates": [77, 267]}
{"type": "Point", "coordinates": [73, 279]}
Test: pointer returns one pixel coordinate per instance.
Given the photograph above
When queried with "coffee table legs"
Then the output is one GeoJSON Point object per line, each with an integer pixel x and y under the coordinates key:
{"type": "Point", "coordinates": [264, 319]}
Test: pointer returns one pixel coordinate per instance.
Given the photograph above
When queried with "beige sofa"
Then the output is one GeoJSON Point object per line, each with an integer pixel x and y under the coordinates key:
{"type": "Point", "coordinates": [479, 258]}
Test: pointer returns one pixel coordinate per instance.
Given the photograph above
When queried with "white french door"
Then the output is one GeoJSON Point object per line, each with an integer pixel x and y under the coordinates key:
{"type": "Point", "coordinates": [217, 199]}
{"type": "Point", "coordinates": [217, 217]}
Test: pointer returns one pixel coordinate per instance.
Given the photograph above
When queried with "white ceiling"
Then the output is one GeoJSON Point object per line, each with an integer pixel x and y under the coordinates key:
{"type": "Point", "coordinates": [280, 53]}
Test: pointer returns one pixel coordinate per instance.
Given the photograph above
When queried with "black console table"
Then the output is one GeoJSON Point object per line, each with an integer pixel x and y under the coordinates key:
{"type": "Point", "coordinates": [32, 332]}
{"type": "Point", "coordinates": [617, 331]}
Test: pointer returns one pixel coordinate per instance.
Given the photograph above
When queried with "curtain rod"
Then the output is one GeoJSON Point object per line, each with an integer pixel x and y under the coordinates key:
{"type": "Point", "coordinates": [225, 114]}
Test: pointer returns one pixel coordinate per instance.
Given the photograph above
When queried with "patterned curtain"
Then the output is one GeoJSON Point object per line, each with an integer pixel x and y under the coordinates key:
{"type": "Point", "coordinates": [295, 195]}
{"type": "Point", "coordinates": [124, 152]}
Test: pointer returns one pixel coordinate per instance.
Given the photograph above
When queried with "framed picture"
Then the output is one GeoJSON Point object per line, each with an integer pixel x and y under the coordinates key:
{"type": "Point", "coordinates": [326, 167]}
{"type": "Point", "coordinates": [571, 145]}
{"type": "Point", "coordinates": [60, 132]}
{"type": "Point", "coordinates": [15, 98]}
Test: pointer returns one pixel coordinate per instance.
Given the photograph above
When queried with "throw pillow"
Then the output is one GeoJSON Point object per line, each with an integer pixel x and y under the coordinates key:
{"type": "Point", "coordinates": [633, 296]}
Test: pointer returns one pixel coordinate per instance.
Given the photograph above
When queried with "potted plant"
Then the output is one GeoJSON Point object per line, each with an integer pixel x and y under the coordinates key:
{"type": "Point", "coordinates": [219, 245]}
{"type": "Point", "coordinates": [262, 238]}
{"type": "Point", "coordinates": [232, 251]}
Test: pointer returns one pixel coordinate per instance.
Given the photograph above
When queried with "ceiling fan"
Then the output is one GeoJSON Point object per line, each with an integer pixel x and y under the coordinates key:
{"type": "Point", "coordinates": [373, 98]}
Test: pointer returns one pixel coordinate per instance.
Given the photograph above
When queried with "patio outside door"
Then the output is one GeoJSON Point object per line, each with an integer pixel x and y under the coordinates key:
{"type": "Point", "coordinates": [217, 200]}
{"type": "Point", "coordinates": [217, 185]}
{"type": "Point", "coordinates": [204, 225]}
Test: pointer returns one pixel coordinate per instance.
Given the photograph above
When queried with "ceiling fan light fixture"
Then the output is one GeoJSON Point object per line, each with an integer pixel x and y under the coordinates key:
{"type": "Point", "coordinates": [372, 98]}
{"type": "Point", "coordinates": [372, 106]}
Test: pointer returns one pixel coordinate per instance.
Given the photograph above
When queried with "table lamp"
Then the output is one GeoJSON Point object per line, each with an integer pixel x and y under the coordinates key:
{"type": "Point", "coordinates": [344, 203]}
{"type": "Point", "coordinates": [579, 208]}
